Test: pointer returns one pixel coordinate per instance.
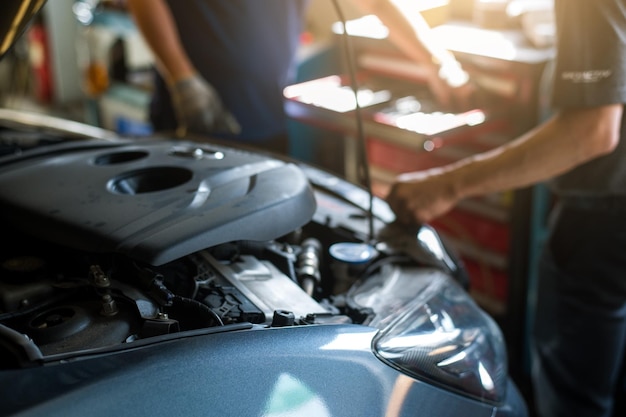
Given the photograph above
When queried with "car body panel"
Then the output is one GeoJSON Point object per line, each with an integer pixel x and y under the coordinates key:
{"type": "Point", "coordinates": [323, 371]}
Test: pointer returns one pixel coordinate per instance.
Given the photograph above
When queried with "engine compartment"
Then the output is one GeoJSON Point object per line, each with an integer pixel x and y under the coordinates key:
{"type": "Point", "coordinates": [66, 300]}
{"type": "Point", "coordinates": [224, 247]}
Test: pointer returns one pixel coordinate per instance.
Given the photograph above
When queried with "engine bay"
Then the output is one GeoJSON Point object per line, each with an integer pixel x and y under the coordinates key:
{"type": "Point", "coordinates": [111, 243]}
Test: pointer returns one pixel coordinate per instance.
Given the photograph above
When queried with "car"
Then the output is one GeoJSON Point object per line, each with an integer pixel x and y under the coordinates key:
{"type": "Point", "coordinates": [160, 276]}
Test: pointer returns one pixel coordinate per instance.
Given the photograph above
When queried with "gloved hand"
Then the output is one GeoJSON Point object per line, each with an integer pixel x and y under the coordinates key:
{"type": "Point", "coordinates": [199, 108]}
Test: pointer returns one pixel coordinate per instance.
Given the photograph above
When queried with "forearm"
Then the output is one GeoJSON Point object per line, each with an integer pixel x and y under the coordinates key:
{"type": "Point", "coordinates": [158, 28]}
{"type": "Point", "coordinates": [564, 142]}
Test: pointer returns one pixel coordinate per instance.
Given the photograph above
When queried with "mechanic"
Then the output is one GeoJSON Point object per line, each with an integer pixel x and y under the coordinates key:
{"type": "Point", "coordinates": [222, 65]}
{"type": "Point", "coordinates": [580, 330]}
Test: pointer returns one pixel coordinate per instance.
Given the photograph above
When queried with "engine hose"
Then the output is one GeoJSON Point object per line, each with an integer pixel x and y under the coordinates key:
{"type": "Point", "coordinates": [192, 314]}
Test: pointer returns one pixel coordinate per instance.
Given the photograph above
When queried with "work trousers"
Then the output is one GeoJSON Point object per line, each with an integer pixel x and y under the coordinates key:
{"type": "Point", "coordinates": [579, 337]}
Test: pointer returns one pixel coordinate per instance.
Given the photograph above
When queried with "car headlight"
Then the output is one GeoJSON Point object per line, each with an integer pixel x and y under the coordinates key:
{"type": "Point", "coordinates": [432, 330]}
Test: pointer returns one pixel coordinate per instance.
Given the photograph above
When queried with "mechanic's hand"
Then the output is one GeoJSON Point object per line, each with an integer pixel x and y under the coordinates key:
{"type": "Point", "coordinates": [419, 197]}
{"type": "Point", "coordinates": [199, 108]}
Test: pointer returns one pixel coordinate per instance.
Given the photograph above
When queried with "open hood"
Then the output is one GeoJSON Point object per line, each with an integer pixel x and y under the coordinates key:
{"type": "Point", "coordinates": [14, 17]}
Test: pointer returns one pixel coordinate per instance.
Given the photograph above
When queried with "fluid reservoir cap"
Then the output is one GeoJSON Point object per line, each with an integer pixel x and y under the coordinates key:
{"type": "Point", "coordinates": [353, 253]}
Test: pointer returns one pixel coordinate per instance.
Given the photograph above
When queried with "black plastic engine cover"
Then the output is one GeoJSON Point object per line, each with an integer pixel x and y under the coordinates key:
{"type": "Point", "coordinates": [153, 201]}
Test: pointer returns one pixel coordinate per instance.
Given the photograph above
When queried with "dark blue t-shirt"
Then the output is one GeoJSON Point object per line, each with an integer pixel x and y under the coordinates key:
{"type": "Point", "coordinates": [591, 71]}
{"type": "Point", "coordinates": [245, 49]}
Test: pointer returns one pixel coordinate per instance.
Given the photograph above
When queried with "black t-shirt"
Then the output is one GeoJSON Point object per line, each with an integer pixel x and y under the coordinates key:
{"type": "Point", "coordinates": [591, 71]}
{"type": "Point", "coordinates": [246, 50]}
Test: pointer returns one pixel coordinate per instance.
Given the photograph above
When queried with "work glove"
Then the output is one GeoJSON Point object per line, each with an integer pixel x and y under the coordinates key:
{"type": "Point", "coordinates": [199, 108]}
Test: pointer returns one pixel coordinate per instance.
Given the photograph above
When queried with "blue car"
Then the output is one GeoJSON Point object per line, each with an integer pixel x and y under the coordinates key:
{"type": "Point", "coordinates": [161, 277]}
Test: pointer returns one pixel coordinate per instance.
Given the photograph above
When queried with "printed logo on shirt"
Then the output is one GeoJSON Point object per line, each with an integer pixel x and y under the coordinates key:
{"type": "Point", "coordinates": [592, 76]}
